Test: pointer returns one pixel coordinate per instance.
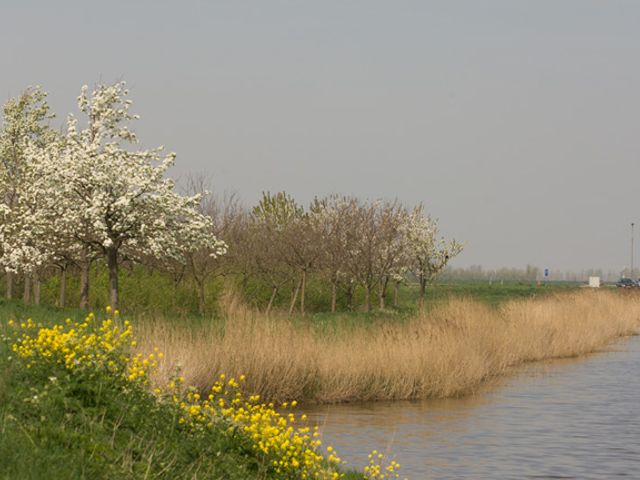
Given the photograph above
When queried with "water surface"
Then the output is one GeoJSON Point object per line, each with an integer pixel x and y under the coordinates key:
{"type": "Point", "coordinates": [575, 418]}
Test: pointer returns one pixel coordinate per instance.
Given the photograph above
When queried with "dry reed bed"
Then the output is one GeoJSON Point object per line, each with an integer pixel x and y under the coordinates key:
{"type": "Point", "coordinates": [447, 352]}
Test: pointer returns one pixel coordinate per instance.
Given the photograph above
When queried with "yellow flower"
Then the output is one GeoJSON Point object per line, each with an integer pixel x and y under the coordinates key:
{"type": "Point", "coordinates": [292, 450]}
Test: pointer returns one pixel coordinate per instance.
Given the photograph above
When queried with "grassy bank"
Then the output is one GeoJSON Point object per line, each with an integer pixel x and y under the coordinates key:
{"type": "Point", "coordinates": [76, 403]}
{"type": "Point", "coordinates": [446, 351]}
{"type": "Point", "coordinates": [102, 418]}
{"type": "Point", "coordinates": [149, 292]}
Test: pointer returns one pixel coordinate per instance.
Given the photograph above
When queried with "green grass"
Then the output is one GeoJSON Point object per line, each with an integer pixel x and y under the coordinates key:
{"type": "Point", "coordinates": [59, 424]}
{"type": "Point", "coordinates": [147, 292]}
{"type": "Point", "coordinates": [437, 294]}
{"type": "Point", "coordinates": [491, 294]}
{"type": "Point", "coordinates": [496, 293]}
{"type": "Point", "coordinates": [55, 426]}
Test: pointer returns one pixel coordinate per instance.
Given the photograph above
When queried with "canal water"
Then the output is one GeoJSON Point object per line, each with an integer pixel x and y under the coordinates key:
{"type": "Point", "coordinates": [575, 418]}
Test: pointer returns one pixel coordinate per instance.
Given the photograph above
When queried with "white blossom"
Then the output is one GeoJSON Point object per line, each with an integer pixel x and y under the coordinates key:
{"type": "Point", "coordinates": [92, 189]}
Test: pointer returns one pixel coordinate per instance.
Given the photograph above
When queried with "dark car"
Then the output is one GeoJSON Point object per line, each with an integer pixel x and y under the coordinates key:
{"type": "Point", "coordinates": [626, 283]}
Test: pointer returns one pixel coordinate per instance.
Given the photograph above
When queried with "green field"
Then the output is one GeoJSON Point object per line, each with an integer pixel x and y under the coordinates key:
{"type": "Point", "coordinates": [496, 293]}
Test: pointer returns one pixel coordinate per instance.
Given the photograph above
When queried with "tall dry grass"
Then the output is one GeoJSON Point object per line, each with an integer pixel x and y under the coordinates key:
{"type": "Point", "coordinates": [447, 352]}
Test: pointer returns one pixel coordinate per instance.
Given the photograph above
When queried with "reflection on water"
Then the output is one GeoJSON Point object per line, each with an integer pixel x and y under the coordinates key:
{"type": "Point", "coordinates": [562, 419]}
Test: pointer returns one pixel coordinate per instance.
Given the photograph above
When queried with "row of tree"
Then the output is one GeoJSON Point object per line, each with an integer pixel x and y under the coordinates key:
{"type": "Point", "coordinates": [342, 241]}
{"type": "Point", "coordinates": [69, 199]}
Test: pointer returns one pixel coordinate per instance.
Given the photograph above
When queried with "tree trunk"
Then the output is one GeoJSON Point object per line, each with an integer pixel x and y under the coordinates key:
{"type": "Point", "coordinates": [112, 263]}
{"type": "Point", "coordinates": [9, 292]}
{"type": "Point", "coordinates": [303, 282]}
{"type": "Point", "coordinates": [367, 298]}
{"type": "Point", "coordinates": [349, 295]}
{"type": "Point", "coordinates": [85, 270]}
{"type": "Point", "coordinates": [385, 284]}
{"type": "Point", "coordinates": [382, 292]}
{"type": "Point", "coordinates": [294, 297]}
{"type": "Point", "coordinates": [423, 289]}
{"type": "Point", "coordinates": [273, 297]}
{"type": "Point", "coordinates": [36, 288]}
{"type": "Point", "coordinates": [201, 296]}
{"type": "Point", "coordinates": [334, 294]}
{"type": "Point", "coordinates": [62, 299]}
{"type": "Point", "coordinates": [396, 289]}
{"type": "Point", "coordinates": [26, 293]}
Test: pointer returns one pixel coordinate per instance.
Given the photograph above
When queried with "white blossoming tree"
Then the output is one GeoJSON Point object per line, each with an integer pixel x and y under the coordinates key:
{"type": "Point", "coordinates": [112, 198]}
{"type": "Point", "coordinates": [24, 126]}
{"type": "Point", "coordinates": [428, 254]}
{"type": "Point", "coordinates": [37, 240]}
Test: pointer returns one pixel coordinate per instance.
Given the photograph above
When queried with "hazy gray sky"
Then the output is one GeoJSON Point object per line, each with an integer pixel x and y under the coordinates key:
{"type": "Point", "coordinates": [516, 122]}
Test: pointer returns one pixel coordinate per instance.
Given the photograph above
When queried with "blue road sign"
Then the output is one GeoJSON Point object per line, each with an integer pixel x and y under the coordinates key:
{"type": "Point", "coordinates": [546, 272]}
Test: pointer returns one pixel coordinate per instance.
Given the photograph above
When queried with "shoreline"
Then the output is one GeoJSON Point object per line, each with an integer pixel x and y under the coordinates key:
{"type": "Point", "coordinates": [447, 352]}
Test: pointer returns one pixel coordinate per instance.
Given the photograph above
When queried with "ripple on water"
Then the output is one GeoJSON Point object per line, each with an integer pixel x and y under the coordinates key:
{"type": "Point", "coordinates": [562, 419]}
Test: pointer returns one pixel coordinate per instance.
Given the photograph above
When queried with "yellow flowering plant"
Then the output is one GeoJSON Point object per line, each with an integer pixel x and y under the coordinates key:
{"type": "Point", "coordinates": [279, 440]}
{"type": "Point", "coordinates": [89, 347]}
{"type": "Point", "coordinates": [279, 437]}
{"type": "Point", "coordinates": [377, 469]}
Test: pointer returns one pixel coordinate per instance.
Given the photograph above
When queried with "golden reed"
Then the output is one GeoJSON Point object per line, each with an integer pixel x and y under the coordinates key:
{"type": "Point", "coordinates": [448, 351]}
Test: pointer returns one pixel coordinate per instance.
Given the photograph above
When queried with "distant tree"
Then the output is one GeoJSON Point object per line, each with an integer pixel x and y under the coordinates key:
{"type": "Point", "coordinates": [364, 240]}
{"type": "Point", "coordinates": [226, 215]}
{"type": "Point", "coordinates": [362, 244]}
{"type": "Point", "coordinates": [272, 221]}
{"type": "Point", "coordinates": [304, 250]}
{"type": "Point", "coordinates": [340, 217]}
{"type": "Point", "coordinates": [429, 253]}
{"type": "Point", "coordinates": [334, 241]}
{"type": "Point", "coordinates": [391, 245]}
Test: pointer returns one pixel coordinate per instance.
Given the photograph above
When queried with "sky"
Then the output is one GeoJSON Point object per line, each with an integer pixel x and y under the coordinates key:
{"type": "Point", "coordinates": [515, 122]}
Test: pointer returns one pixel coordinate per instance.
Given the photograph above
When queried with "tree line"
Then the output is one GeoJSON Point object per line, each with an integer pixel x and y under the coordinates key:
{"type": "Point", "coordinates": [85, 195]}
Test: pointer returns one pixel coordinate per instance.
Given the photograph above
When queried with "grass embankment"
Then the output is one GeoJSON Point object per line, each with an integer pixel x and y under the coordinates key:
{"type": "Point", "coordinates": [75, 403]}
{"type": "Point", "coordinates": [96, 420]}
{"type": "Point", "coordinates": [145, 291]}
{"type": "Point", "coordinates": [448, 351]}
